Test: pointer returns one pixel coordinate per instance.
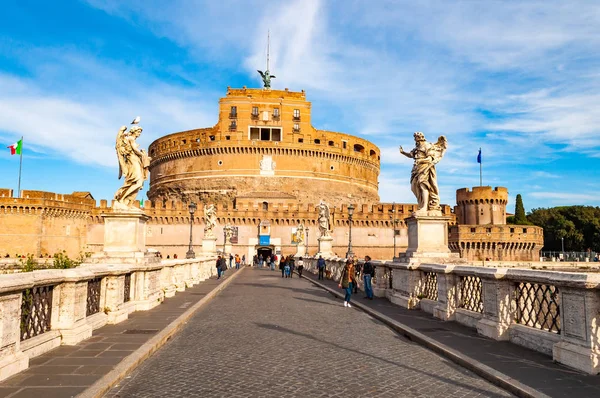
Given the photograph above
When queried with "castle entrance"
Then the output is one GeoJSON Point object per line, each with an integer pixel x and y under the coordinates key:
{"type": "Point", "coordinates": [266, 251]}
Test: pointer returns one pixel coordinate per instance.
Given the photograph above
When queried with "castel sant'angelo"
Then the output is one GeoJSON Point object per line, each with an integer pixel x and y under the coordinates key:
{"type": "Point", "coordinates": [266, 168]}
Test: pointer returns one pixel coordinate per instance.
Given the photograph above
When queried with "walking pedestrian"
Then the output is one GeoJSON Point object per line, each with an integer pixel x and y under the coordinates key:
{"type": "Point", "coordinates": [219, 267]}
{"type": "Point", "coordinates": [358, 269]}
{"type": "Point", "coordinates": [292, 264]}
{"type": "Point", "coordinates": [300, 266]}
{"type": "Point", "coordinates": [223, 266]}
{"type": "Point", "coordinates": [260, 261]}
{"type": "Point", "coordinates": [272, 262]}
{"type": "Point", "coordinates": [238, 260]}
{"type": "Point", "coordinates": [244, 259]}
{"type": "Point", "coordinates": [346, 281]}
{"type": "Point", "coordinates": [321, 266]}
{"type": "Point", "coordinates": [230, 260]}
{"type": "Point", "coordinates": [286, 267]}
{"type": "Point", "coordinates": [368, 274]}
{"type": "Point", "coordinates": [282, 266]}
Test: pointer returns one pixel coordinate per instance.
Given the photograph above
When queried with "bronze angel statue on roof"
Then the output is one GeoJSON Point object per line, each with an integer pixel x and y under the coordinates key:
{"type": "Point", "coordinates": [133, 166]}
{"type": "Point", "coordinates": [423, 178]}
{"type": "Point", "coordinates": [266, 78]}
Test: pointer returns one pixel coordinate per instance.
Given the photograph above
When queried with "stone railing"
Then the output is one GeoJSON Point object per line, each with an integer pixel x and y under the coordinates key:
{"type": "Point", "coordinates": [557, 313]}
{"type": "Point", "coordinates": [43, 309]}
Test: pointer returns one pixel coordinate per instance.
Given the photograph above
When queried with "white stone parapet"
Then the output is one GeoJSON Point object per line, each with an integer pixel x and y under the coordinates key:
{"type": "Point", "coordinates": [65, 306]}
{"type": "Point", "coordinates": [556, 313]}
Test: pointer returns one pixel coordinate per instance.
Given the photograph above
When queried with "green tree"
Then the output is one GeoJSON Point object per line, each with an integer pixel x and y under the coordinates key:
{"type": "Point", "coordinates": [520, 218]}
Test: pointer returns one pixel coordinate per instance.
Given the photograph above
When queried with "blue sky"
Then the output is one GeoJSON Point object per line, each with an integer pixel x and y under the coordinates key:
{"type": "Point", "coordinates": [519, 79]}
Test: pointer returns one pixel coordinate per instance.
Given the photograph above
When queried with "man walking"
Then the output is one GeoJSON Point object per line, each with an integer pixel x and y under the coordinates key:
{"type": "Point", "coordinates": [368, 274]}
{"type": "Point", "coordinates": [219, 267]}
{"type": "Point", "coordinates": [321, 267]}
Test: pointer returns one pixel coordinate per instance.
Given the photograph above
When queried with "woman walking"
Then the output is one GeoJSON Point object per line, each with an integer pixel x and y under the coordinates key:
{"type": "Point", "coordinates": [300, 266]}
{"type": "Point", "coordinates": [347, 280]}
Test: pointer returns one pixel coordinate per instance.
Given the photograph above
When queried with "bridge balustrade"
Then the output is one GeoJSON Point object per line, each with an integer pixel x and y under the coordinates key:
{"type": "Point", "coordinates": [43, 309]}
{"type": "Point", "coordinates": [556, 313]}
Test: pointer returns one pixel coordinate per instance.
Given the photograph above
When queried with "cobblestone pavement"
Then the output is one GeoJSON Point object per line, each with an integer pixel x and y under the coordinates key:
{"type": "Point", "coordinates": [265, 336]}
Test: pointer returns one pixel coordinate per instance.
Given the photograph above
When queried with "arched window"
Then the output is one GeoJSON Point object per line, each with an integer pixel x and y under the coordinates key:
{"type": "Point", "coordinates": [265, 206]}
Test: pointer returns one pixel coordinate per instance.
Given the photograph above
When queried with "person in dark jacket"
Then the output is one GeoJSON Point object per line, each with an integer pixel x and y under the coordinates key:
{"type": "Point", "coordinates": [368, 274]}
{"type": "Point", "coordinates": [282, 265]}
{"type": "Point", "coordinates": [321, 266]}
{"type": "Point", "coordinates": [346, 281]}
{"type": "Point", "coordinates": [219, 267]}
{"type": "Point", "coordinates": [300, 266]}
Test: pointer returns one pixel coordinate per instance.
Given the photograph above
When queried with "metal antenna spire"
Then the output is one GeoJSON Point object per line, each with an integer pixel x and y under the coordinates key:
{"type": "Point", "coordinates": [268, 46]}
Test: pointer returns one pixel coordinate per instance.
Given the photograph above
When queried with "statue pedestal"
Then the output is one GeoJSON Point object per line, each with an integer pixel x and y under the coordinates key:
{"type": "Point", "coordinates": [428, 238]}
{"type": "Point", "coordinates": [228, 248]}
{"type": "Point", "coordinates": [209, 245]}
{"type": "Point", "coordinates": [125, 238]}
{"type": "Point", "coordinates": [301, 250]}
{"type": "Point", "coordinates": [325, 247]}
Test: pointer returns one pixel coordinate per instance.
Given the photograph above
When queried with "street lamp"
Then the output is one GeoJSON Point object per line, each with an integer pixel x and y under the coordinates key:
{"type": "Point", "coordinates": [394, 226]}
{"type": "Point", "coordinates": [192, 209]}
{"type": "Point", "coordinates": [562, 244]}
{"type": "Point", "coordinates": [306, 252]}
{"type": "Point", "coordinates": [350, 212]}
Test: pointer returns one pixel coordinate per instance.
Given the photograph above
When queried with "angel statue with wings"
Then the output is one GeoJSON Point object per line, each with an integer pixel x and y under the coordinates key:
{"type": "Point", "coordinates": [299, 235]}
{"type": "Point", "coordinates": [266, 78]}
{"type": "Point", "coordinates": [423, 178]}
{"type": "Point", "coordinates": [133, 166]}
{"type": "Point", "coordinates": [210, 221]}
{"type": "Point", "coordinates": [323, 219]}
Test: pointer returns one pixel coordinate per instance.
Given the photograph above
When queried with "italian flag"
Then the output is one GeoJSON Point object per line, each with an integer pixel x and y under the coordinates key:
{"type": "Point", "coordinates": [15, 149]}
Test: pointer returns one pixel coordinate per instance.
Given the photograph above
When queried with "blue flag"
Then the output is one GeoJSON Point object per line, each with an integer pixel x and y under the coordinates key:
{"type": "Point", "coordinates": [479, 156]}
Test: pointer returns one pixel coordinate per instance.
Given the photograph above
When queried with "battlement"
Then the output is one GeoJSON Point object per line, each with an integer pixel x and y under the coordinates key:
{"type": "Point", "coordinates": [34, 202]}
{"type": "Point", "coordinates": [482, 194]}
{"type": "Point", "coordinates": [265, 93]}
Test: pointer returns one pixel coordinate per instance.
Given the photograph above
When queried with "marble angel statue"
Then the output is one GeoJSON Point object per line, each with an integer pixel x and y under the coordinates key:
{"type": "Point", "coordinates": [133, 166]}
{"type": "Point", "coordinates": [323, 219]}
{"type": "Point", "coordinates": [210, 220]}
{"type": "Point", "coordinates": [423, 178]}
{"type": "Point", "coordinates": [300, 234]}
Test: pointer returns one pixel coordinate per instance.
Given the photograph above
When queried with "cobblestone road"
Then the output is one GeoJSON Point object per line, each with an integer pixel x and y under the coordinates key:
{"type": "Point", "coordinates": [265, 336]}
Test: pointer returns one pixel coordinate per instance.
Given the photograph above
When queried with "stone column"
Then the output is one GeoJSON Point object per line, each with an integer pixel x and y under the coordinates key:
{"type": "Point", "coordinates": [499, 309]}
{"type": "Point", "coordinates": [448, 285]}
{"type": "Point", "coordinates": [71, 318]}
{"type": "Point", "coordinates": [406, 284]}
{"type": "Point", "coordinates": [114, 299]}
{"type": "Point", "coordinates": [12, 360]}
{"type": "Point", "coordinates": [209, 245]}
{"type": "Point", "coordinates": [428, 237]}
{"type": "Point", "coordinates": [579, 347]}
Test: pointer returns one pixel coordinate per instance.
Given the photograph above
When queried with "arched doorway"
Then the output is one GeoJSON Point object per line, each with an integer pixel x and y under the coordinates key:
{"type": "Point", "coordinates": [266, 251]}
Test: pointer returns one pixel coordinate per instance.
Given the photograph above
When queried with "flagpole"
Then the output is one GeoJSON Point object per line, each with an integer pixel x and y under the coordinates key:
{"type": "Point", "coordinates": [480, 170]}
{"type": "Point", "coordinates": [20, 168]}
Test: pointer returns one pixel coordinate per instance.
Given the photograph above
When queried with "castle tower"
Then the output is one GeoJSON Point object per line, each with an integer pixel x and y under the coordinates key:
{"type": "Point", "coordinates": [481, 206]}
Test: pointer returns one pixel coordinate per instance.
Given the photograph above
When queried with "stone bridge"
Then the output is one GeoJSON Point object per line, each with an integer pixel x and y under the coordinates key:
{"type": "Point", "coordinates": [172, 329]}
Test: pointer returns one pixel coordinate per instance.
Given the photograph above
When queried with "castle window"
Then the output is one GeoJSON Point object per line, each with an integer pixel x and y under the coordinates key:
{"type": "Point", "coordinates": [233, 112]}
{"type": "Point", "coordinates": [212, 137]}
{"type": "Point", "coordinates": [330, 143]}
{"type": "Point", "coordinates": [184, 142]}
{"type": "Point", "coordinates": [197, 139]}
{"type": "Point", "coordinates": [524, 230]}
{"type": "Point", "coordinates": [254, 112]}
{"type": "Point", "coordinates": [512, 230]}
{"type": "Point", "coordinates": [488, 230]}
{"type": "Point", "coordinates": [233, 125]}
{"type": "Point", "coordinates": [296, 127]}
{"type": "Point", "coordinates": [300, 140]}
{"type": "Point", "coordinates": [265, 133]}
{"type": "Point", "coordinates": [317, 141]}
{"type": "Point", "coordinates": [344, 144]}
{"type": "Point", "coordinates": [359, 148]}
{"type": "Point", "coordinates": [276, 113]}
{"type": "Point", "coordinates": [227, 137]}
{"type": "Point", "coordinates": [265, 206]}
{"type": "Point", "coordinates": [220, 163]}
{"type": "Point", "coordinates": [297, 114]}
{"type": "Point", "coordinates": [473, 230]}
{"type": "Point", "coordinates": [332, 168]}
{"type": "Point", "coordinates": [372, 153]}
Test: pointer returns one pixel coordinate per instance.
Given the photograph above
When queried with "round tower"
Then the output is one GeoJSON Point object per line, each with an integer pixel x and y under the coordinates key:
{"type": "Point", "coordinates": [264, 146]}
{"type": "Point", "coordinates": [481, 205]}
